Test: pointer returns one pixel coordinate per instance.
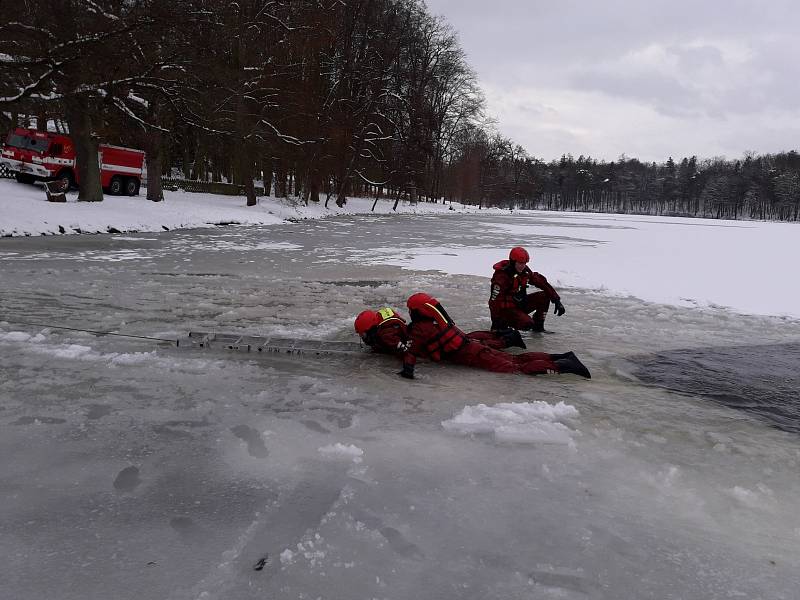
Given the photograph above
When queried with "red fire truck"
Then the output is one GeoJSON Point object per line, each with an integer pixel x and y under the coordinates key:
{"type": "Point", "coordinates": [43, 156]}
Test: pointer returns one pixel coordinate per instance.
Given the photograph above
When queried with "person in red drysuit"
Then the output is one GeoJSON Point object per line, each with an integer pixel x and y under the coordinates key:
{"type": "Point", "coordinates": [385, 331]}
{"type": "Point", "coordinates": [433, 335]}
{"type": "Point", "coordinates": [510, 305]}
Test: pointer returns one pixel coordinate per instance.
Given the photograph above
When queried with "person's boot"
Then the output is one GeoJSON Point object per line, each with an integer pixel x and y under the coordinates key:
{"type": "Point", "coordinates": [571, 364]}
{"type": "Point", "coordinates": [512, 338]}
{"type": "Point", "coordinates": [537, 327]}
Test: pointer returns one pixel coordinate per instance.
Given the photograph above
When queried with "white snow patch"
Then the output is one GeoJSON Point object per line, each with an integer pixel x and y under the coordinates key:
{"type": "Point", "coordinates": [133, 358]}
{"type": "Point", "coordinates": [19, 336]}
{"type": "Point", "coordinates": [342, 451]}
{"type": "Point", "coordinates": [86, 353]}
{"type": "Point", "coordinates": [516, 422]}
{"type": "Point", "coordinates": [68, 351]}
{"type": "Point", "coordinates": [633, 255]}
{"type": "Point", "coordinates": [226, 245]}
{"type": "Point", "coordinates": [758, 498]}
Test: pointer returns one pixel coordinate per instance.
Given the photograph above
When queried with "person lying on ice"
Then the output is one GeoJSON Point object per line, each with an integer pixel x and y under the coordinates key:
{"type": "Point", "coordinates": [510, 304]}
{"type": "Point", "coordinates": [385, 331]}
{"type": "Point", "coordinates": [434, 335]}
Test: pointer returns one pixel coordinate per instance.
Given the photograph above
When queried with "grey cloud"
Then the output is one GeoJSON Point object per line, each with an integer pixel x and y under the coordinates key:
{"type": "Point", "coordinates": [694, 58]}
{"type": "Point", "coordinates": [665, 94]}
{"type": "Point", "coordinates": [705, 84]}
{"type": "Point", "coordinates": [535, 110]}
{"type": "Point", "coordinates": [503, 34]}
{"type": "Point", "coordinates": [776, 59]}
{"type": "Point", "coordinates": [586, 47]}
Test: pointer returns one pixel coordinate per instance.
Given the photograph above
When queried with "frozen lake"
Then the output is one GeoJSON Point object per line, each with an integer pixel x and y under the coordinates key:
{"type": "Point", "coordinates": [131, 470]}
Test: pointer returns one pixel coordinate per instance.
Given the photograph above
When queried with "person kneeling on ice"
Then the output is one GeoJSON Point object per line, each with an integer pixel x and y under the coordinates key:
{"type": "Point", "coordinates": [384, 330]}
{"type": "Point", "coordinates": [510, 304]}
{"type": "Point", "coordinates": [434, 335]}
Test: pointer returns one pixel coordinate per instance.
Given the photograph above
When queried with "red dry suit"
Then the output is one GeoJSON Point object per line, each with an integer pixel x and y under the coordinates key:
{"type": "Point", "coordinates": [509, 303]}
{"type": "Point", "coordinates": [435, 336]}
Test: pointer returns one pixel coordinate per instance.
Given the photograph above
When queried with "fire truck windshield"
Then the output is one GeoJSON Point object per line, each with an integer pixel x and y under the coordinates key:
{"type": "Point", "coordinates": [27, 143]}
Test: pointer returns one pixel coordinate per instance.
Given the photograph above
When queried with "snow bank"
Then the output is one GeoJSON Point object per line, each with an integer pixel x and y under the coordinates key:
{"type": "Point", "coordinates": [24, 210]}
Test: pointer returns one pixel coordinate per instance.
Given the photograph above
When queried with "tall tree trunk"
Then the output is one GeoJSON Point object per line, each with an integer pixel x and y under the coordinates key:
{"type": "Point", "coordinates": [187, 159]}
{"type": "Point", "coordinates": [313, 186]}
{"type": "Point", "coordinates": [280, 180]}
{"type": "Point", "coordinates": [244, 172]}
{"type": "Point", "coordinates": [268, 177]}
{"type": "Point", "coordinates": [247, 175]}
{"type": "Point", "coordinates": [86, 150]}
{"type": "Point", "coordinates": [154, 171]}
{"type": "Point", "coordinates": [341, 194]}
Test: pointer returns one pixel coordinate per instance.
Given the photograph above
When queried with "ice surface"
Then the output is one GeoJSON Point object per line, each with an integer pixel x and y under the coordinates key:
{"type": "Point", "coordinates": [135, 469]}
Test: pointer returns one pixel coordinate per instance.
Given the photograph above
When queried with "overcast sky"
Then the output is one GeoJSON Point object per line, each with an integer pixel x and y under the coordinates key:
{"type": "Point", "coordinates": [647, 78]}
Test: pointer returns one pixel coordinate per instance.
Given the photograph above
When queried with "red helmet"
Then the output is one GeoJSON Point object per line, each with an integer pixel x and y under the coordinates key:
{"type": "Point", "coordinates": [420, 299]}
{"type": "Point", "coordinates": [519, 254]}
{"type": "Point", "coordinates": [366, 320]}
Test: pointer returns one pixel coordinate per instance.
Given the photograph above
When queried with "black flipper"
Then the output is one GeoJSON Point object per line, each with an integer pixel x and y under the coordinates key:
{"type": "Point", "coordinates": [570, 364]}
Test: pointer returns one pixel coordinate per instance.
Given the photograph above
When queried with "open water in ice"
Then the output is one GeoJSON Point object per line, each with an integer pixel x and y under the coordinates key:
{"type": "Point", "coordinates": [136, 470]}
{"type": "Point", "coordinates": [761, 379]}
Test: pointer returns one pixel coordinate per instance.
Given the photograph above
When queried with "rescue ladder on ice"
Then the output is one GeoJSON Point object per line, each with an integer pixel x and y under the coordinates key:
{"type": "Point", "coordinates": [248, 343]}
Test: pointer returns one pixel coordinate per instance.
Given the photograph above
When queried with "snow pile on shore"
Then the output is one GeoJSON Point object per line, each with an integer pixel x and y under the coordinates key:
{"type": "Point", "coordinates": [25, 211]}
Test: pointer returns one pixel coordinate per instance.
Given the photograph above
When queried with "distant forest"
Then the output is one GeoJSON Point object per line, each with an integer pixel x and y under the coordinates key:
{"type": "Point", "coordinates": [320, 100]}
{"type": "Point", "coordinates": [755, 187]}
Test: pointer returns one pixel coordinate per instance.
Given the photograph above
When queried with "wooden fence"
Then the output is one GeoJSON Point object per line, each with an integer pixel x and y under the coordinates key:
{"type": "Point", "coordinates": [208, 187]}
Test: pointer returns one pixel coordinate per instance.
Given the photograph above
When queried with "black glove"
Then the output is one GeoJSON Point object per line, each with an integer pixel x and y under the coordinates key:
{"type": "Point", "coordinates": [559, 308]}
{"type": "Point", "coordinates": [407, 372]}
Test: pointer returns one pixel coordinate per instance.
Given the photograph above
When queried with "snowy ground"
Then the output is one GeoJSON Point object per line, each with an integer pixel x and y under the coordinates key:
{"type": "Point", "coordinates": [24, 211]}
{"type": "Point", "coordinates": [132, 470]}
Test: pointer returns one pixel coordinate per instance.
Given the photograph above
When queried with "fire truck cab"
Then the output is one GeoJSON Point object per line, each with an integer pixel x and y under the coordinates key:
{"type": "Point", "coordinates": [44, 156]}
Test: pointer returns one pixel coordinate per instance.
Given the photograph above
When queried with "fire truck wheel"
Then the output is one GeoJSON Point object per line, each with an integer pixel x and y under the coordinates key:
{"type": "Point", "coordinates": [132, 186]}
{"type": "Point", "coordinates": [23, 178]}
{"type": "Point", "coordinates": [66, 179]}
{"type": "Point", "coordinates": [115, 187]}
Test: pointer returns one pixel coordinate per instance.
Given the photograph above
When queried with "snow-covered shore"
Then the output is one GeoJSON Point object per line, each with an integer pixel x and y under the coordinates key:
{"type": "Point", "coordinates": [25, 211]}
